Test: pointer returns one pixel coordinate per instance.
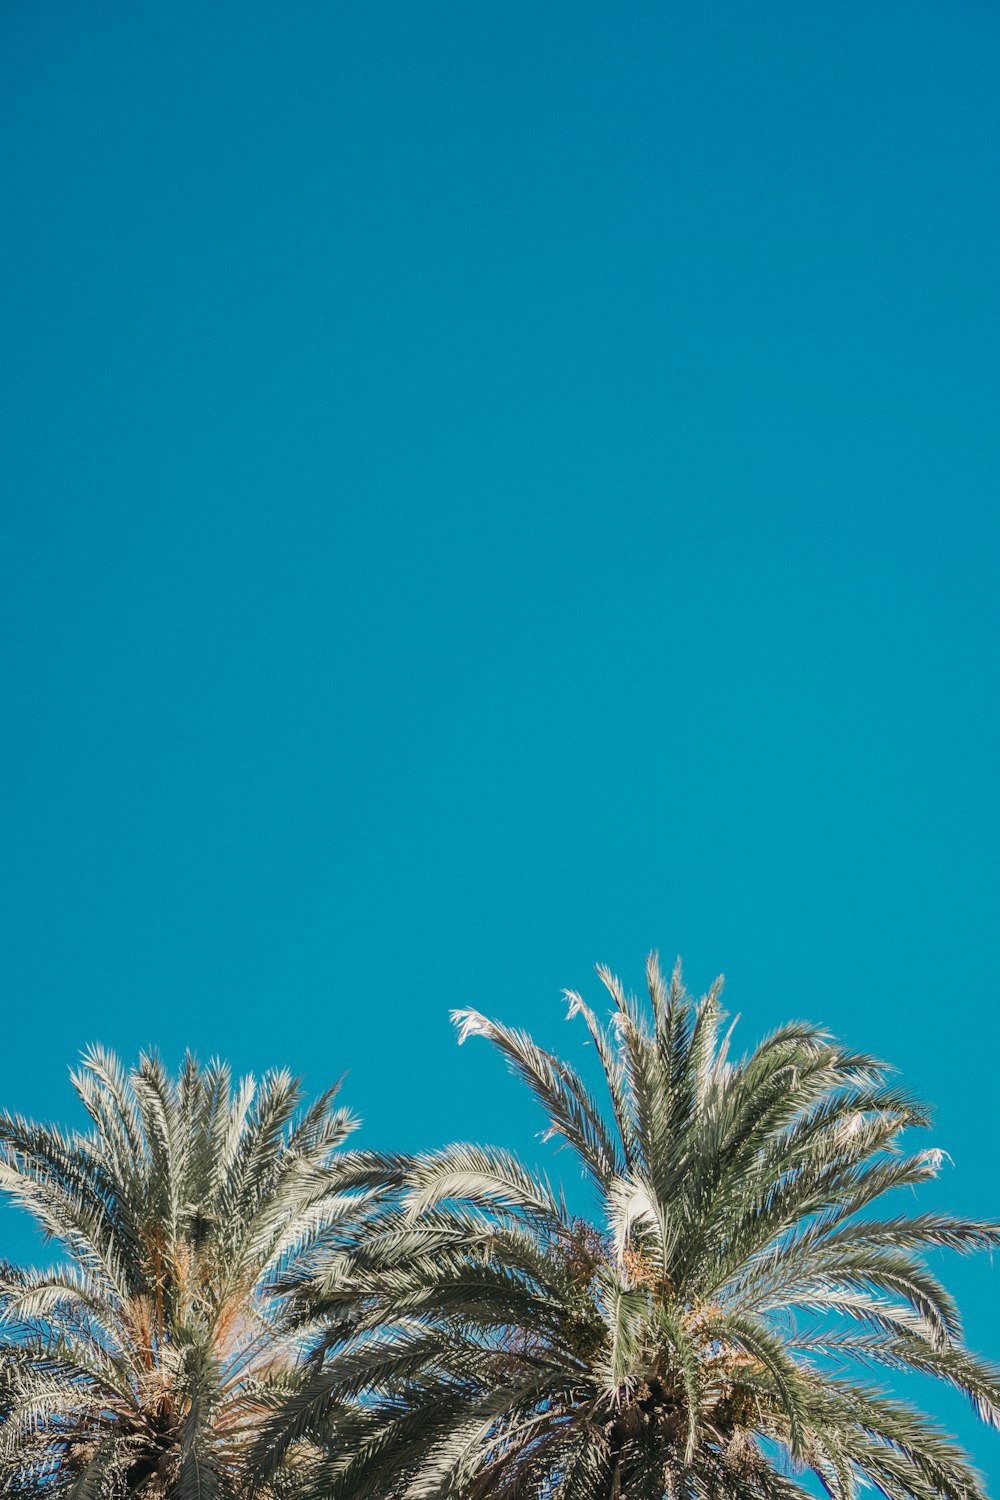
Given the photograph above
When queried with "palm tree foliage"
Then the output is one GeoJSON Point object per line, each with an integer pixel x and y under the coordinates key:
{"type": "Point", "coordinates": [715, 1332]}
{"type": "Point", "coordinates": [140, 1364]}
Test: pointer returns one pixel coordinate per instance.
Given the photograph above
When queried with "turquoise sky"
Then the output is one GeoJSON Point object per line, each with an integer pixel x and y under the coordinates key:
{"type": "Point", "coordinates": [493, 487]}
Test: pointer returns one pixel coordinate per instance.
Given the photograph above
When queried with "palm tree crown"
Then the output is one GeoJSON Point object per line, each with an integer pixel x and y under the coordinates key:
{"type": "Point", "coordinates": [709, 1335]}
{"type": "Point", "coordinates": [139, 1365]}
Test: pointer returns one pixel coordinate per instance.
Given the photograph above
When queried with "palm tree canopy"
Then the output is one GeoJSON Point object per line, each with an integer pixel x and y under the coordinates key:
{"type": "Point", "coordinates": [711, 1334]}
{"type": "Point", "coordinates": [139, 1364]}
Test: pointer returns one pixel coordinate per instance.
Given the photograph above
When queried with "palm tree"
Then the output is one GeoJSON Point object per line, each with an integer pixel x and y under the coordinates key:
{"type": "Point", "coordinates": [711, 1333]}
{"type": "Point", "coordinates": [140, 1363]}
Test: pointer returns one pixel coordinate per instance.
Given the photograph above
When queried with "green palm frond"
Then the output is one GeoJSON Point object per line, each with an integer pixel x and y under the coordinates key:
{"type": "Point", "coordinates": [708, 1335]}
{"type": "Point", "coordinates": [187, 1217]}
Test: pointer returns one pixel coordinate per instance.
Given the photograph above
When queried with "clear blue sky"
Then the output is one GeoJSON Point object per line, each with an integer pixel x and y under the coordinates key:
{"type": "Point", "coordinates": [490, 488]}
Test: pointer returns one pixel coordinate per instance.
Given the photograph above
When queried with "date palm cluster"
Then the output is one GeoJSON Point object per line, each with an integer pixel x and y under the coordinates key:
{"type": "Point", "coordinates": [243, 1305]}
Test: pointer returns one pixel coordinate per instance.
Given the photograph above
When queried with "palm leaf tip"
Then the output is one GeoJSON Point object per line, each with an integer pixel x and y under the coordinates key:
{"type": "Point", "coordinates": [469, 1023]}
